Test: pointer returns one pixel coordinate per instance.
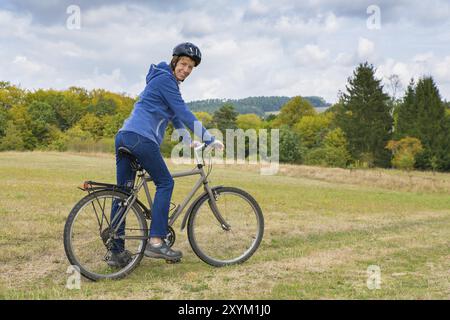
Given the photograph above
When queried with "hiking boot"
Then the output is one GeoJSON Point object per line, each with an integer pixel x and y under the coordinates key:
{"type": "Point", "coordinates": [119, 260]}
{"type": "Point", "coordinates": [162, 251]}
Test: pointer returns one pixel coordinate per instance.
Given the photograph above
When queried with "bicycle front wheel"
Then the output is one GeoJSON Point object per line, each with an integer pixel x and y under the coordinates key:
{"type": "Point", "coordinates": [219, 247]}
{"type": "Point", "coordinates": [87, 235]}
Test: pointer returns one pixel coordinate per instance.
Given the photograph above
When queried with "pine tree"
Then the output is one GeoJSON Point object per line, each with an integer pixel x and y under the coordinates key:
{"type": "Point", "coordinates": [407, 114]}
{"type": "Point", "coordinates": [430, 127]}
{"type": "Point", "coordinates": [225, 118]}
{"type": "Point", "coordinates": [365, 117]}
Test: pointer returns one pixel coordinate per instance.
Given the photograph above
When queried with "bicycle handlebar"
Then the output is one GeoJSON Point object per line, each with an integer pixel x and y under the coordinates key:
{"type": "Point", "coordinates": [200, 148]}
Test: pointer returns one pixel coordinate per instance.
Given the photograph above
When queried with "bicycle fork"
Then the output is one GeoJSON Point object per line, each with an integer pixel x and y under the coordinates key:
{"type": "Point", "coordinates": [213, 205]}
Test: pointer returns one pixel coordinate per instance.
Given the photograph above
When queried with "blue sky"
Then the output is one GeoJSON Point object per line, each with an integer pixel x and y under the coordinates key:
{"type": "Point", "coordinates": [250, 48]}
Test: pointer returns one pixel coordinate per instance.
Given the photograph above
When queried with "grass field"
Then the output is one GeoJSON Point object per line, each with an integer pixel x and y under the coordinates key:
{"type": "Point", "coordinates": [324, 228]}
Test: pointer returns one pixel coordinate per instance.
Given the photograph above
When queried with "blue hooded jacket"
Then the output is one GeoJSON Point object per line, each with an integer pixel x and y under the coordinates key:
{"type": "Point", "coordinates": [159, 103]}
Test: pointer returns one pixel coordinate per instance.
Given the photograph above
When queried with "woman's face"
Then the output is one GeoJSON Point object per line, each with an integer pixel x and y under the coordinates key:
{"type": "Point", "coordinates": [184, 68]}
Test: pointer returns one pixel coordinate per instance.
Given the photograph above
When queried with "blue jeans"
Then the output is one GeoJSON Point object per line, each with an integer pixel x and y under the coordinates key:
{"type": "Point", "coordinates": [149, 155]}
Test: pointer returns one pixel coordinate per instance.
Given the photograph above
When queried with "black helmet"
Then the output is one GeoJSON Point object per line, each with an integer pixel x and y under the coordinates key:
{"type": "Point", "coordinates": [189, 50]}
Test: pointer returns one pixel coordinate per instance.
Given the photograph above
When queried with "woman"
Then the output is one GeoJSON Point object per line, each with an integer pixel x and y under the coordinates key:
{"type": "Point", "coordinates": [143, 132]}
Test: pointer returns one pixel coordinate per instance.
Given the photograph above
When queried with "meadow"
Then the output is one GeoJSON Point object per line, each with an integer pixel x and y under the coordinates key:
{"type": "Point", "coordinates": [325, 229]}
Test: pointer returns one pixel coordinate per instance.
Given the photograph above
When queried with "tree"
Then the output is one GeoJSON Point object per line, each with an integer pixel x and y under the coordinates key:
{"type": "Point", "coordinates": [312, 129]}
{"type": "Point", "coordinates": [225, 118]}
{"type": "Point", "coordinates": [249, 121]}
{"type": "Point", "coordinates": [422, 115]}
{"type": "Point", "coordinates": [395, 85]}
{"type": "Point", "coordinates": [10, 95]}
{"type": "Point", "coordinates": [3, 122]}
{"type": "Point", "coordinates": [102, 106]}
{"type": "Point", "coordinates": [92, 124]}
{"type": "Point", "coordinates": [42, 117]}
{"type": "Point", "coordinates": [111, 125]}
{"type": "Point", "coordinates": [289, 147]}
{"type": "Point", "coordinates": [205, 118]}
{"type": "Point", "coordinates": [66, 105]}
{"type": "Point", "coordinates": [270, 117]}
{"type": "Point", "coordinates": [407, 114]}
{"type": "Point", "coordinates": [431, 126]}
{"type": "Point", "coordinates": [21, 119]}
{"type": "Point", "coordinates": [12, 139]}
{"type": "Point", "coordinates": [333, 151]}
{"type": "Point", "coordinates": [365, 117]}
{"type": "Point", "coordinates": [293, 111]}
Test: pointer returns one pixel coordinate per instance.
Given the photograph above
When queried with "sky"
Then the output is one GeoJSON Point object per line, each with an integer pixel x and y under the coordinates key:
{"type": "Point", "coordinates": [249, 48]}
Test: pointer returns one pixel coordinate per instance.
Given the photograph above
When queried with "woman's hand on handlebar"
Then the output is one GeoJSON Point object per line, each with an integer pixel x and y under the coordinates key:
{"type": "Point", "coordinates": [217, 144]}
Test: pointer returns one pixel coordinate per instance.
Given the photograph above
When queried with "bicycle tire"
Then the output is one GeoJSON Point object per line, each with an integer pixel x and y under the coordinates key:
{"type": "Point", "coordinates": [197, 248]}
{"type": "Point", "coordinates": [68, 239]}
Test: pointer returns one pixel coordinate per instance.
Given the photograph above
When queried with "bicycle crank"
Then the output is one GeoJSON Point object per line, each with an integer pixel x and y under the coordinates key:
{"type": "Point", "coordinates": [106, 236]}
{"type": "Point", "coordinates": [170, 238]}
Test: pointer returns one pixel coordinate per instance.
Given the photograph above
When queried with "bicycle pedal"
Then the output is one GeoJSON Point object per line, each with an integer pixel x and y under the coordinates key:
{"type": "Point", "coordinates": [173, 261]}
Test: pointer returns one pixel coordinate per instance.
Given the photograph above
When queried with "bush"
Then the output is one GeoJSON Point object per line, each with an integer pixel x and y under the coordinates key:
{"type": "Point", "coordinates": [290, 147]}
{"type": "Point", "coordinates": [78, 140]}
{"type": "Point", "coordinates": [332, 153]}
{"type": "Point", "coordinates": [327, 156]}
{"type": "Point", "coordinates": [12, 139]}
{"type": "Point", "coordinates": [405, 152]}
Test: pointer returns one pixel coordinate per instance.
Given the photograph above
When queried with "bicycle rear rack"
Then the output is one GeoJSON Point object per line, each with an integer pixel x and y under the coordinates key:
{"type": "Point", "coordinates": [91, 186]}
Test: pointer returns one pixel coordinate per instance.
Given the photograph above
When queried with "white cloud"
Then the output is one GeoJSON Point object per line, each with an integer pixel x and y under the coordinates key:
{"type": "Point", "coordinates": [366, 48]}
{"type": "Point", "coordinates": [312, 54]}
{"type": "Point", "coordinates": [298, 27]}
{"type": "Point", "coordinates": [24, 65]}
{"type": "Point", "coordinates": [423, 57]}
{"type": "Point", "coordinates": [257, 8]}
{"type": "Point", "coordinates": [197, 24]}
{"type": "Point", "coordinates": [114, 81]}
{"type": "Point", "coordinates": [442, 69]}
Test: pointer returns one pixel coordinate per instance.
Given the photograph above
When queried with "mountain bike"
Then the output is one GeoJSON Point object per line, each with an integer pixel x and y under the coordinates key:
{"type": "Point", "coordinates": [225, 225]}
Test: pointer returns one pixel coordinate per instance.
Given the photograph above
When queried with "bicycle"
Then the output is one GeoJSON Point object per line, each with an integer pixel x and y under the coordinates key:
{"type": "Point", "coordinates": [225, 225]}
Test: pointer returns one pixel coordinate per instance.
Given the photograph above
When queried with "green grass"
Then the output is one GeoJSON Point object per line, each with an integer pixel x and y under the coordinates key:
{"type": "Point", "coordinates": [321, 235]}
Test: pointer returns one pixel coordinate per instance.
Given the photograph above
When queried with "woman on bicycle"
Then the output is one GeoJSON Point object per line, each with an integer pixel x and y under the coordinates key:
{"type": "Point", "coordinates": [143, 132]}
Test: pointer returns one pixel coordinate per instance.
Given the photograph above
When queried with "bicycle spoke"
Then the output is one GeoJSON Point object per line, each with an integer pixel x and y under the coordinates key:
{"type": "Point", "coordinates": [88, 248]}
{"type": "Point", "coordinates": [217, 246]}
{"type": "Point", "coordinates": [96, 215]}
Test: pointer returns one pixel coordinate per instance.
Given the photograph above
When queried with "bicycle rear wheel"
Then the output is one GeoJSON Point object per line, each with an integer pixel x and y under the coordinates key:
{"type": "Point", "coordinates": [216, 246]}
{"type": "Point", "coordinates": [87, 235]}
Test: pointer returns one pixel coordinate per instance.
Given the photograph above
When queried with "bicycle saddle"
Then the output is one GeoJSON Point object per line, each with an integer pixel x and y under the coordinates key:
{"type": "Point", "coordinates": [135, 165]}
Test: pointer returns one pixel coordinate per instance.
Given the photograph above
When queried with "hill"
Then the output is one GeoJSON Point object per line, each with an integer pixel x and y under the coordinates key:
{"type": "Point", "coordinates": [258, 105]}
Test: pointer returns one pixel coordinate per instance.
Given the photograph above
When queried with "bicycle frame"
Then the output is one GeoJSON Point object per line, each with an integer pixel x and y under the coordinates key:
{"type": "Point", "coordinates": [144, 178]}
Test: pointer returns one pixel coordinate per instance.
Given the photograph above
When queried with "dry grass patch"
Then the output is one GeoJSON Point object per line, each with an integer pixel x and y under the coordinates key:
{"type": "Point", "coordinates": [389, 179]}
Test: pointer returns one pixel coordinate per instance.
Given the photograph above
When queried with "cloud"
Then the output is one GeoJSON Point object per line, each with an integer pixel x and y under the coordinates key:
{"type": "Point", "coordinates": [312, 55]}
{"type": "Point", "coordinates": [23, 65]}
{"type": "Point", "coordinates": [366, 49]}
{"type": "Point", "coordinates": [249, 48]}
{"type": "Point", "coordinates": [418, 66]}
{"type": "Point", "coordinates": [115, 81]}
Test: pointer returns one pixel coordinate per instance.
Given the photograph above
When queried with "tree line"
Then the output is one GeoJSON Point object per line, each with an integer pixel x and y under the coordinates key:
{"type": "Point", "coordinates": [256, 105]}
{"type": "Point", "coordinates": [365, 128]}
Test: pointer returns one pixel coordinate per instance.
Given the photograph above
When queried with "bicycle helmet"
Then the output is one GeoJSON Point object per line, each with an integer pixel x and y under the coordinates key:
{"type": "Point", "coordinates": [189, 50]}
